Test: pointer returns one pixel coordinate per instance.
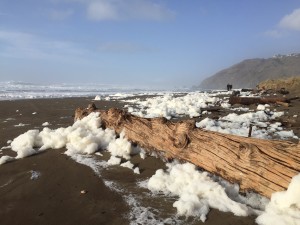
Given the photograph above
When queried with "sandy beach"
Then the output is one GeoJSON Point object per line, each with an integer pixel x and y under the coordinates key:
{"type": "Point", "coordinates": [149, 112]}
{"type": "Point", "coordinates": [55, 197]}
{"type": "Point", "coordinates": [46, 188]}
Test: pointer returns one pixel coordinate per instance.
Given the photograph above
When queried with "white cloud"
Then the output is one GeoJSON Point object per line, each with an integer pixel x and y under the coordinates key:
{"type": "Point", "coordinates": [291, 21]}
{"type": "Point", "coordinates": [275, 33]}
{"type": "Point", "coordinates": [16, 44]}
{"type": "Point", "coordinates": [102, 10]}
{"type": "Point", "coordinates": [61, 14]}
{"type": "Point", "coordinates": [287, 23]}
{"type": "Point", "coordinates": [125, 10]}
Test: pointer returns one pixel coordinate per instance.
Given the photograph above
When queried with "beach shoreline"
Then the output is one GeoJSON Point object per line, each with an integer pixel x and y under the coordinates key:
{"type": "Point", "coordinates": [54, 198]}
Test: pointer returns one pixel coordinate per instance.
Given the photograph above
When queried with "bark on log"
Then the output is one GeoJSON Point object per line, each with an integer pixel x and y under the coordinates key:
{"type": "Point", "coordinates": [256, 100]}
{"type": "Point", "coordinates": [265, 166]}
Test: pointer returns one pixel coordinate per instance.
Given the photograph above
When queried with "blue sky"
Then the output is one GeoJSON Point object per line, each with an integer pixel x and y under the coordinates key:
{"type": "Point", "coordinates": [140, 42]}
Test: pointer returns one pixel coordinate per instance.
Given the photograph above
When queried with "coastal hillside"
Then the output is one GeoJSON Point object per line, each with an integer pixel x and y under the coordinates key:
{"type": "Point", "coordinates": [250, 72]}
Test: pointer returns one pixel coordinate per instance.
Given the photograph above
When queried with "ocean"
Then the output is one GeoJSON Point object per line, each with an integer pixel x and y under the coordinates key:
{"type": "Point", "coordinates": [23, 90]}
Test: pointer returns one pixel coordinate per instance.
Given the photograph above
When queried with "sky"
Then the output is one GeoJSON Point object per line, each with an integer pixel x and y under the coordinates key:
{"type": "Point", "coordinates": [153, 43]}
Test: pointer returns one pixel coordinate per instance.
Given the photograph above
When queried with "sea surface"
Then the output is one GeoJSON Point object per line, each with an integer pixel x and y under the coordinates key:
{"type": "Point", "coordinates": [22, 90]}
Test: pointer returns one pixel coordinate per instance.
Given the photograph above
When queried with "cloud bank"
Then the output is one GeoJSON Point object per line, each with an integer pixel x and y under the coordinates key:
{"type": "Point", "coordinates": [101, 10]}
{"type": "Point", "coordinates": [17, 44]}
{"type": "Point", "coordinates": [291, 21]}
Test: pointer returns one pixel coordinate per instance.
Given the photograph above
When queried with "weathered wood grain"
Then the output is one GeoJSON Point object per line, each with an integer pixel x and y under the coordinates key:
{"type": "Point", "coordinates": [265, 166]}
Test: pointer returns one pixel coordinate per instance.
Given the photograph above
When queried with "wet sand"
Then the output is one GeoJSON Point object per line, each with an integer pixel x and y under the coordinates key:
{"type": "Point", "coordinates": [55, 198]}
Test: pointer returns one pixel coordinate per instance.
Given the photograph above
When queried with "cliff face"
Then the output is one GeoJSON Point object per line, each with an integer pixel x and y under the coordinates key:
{"type": "Point", "coordinates": [250, 72]}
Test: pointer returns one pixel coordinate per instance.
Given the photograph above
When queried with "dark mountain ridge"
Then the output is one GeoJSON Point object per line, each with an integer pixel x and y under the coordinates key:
{"type": "Point", "coordinates": [250, 72]}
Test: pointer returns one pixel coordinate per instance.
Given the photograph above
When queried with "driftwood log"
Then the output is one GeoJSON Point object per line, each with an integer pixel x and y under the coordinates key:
{"type": "Point", "coordinates": [234, 99]}
{"type": "Point", "coordinates": [264, 166]}
{"type": "Point", "coordinates": [256, 100]}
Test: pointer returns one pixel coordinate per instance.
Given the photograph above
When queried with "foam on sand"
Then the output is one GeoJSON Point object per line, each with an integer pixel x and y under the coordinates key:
{"type": "Point", "coordinates": [97, 98]}
{"type": "Point", "coordinates": [239, 125]}
{"type": "Point", "coordinates": [20, 125]}
{"type": "Point", "coordinates": [284, 207]}
{"type": "Point", "coordinates": [127, 164]}
{"type": "Point", "coordinates": [83, 137]}
{"type": "Point", "coordinates": [114, 161]}
{"type": "Point", "coordinates": [120, 147]}
{"type": "Point", "coordinates": [24, 144]}
{"type": "Point", "coordinates": [170, 105]}
{"type": "Point", "coordinates": [5, 159]}
{"type": "Point", "coordinates": [196, 190]}
{"type": "Point", "coordinates": [138, 213]}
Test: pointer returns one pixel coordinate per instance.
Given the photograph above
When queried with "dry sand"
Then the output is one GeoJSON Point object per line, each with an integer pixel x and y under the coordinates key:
{"type": "Point", "coordinates": [54, 198]}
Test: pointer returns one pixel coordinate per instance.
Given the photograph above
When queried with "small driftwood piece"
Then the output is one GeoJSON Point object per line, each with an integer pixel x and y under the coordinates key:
{"type": "Point", "coordinates": [265, 166]}
{"type": "Point", "coordinates": [212, 109]}
{"type": "Point", "coordinates": [246, 89]}
{"type": "Point", "coordinates": [285, 104]}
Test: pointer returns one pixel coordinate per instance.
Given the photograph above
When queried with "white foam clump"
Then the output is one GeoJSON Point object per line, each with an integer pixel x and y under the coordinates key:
{"type": "Point", "coordinates": [120, 147]}
{"type": "Point", "coordinates": [5, 159]}
{"type": "Point", "coordinates": [128, 165]}
{"type": "Point", "coordinates": [142, 154]}
{"type": "Point", "coordinates": [24, 144]}
{"type": "Point", "coordinates": [239, 125]}
{"type": "Point", "coordinates": [262, 107]}
{"type": "Point", "coordinates": [83, 137]}
{"type": "Point", "coordinates": [98, 153]}
{"type": "Point", "coordinates": [97, 98]}
{"type": "Point", "coordinates": [286, 134]}
{"type": "Point", "coordinates": [170, 105]}
{"type": "Point", "coordinates": [137, 170]}
{"type": "Point", "coordinates": [121, 95]}
{"type": "Point", "coordinates": [20, 125]}
{"type": "Point", "coordinates": [225, 105]}
{"type": "Point", "coordinates": [114, 161]}
{"type": "Point", "coordinates": [196, 190]}
{"type": "Point", "coordinates": [45, 124]}
{"type": "Point", "coordinates": [284, 207]}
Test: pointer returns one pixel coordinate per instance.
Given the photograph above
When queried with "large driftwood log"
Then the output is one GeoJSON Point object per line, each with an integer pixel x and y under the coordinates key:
{"type": "Point", "coordinates": [256, 100]}
{"type": "Point", "coordinates": [233, 99]}
{"type": "Point", "coordinates": [265, 166]}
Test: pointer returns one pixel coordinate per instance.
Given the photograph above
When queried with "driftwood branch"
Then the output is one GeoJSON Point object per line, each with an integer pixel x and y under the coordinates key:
{"type": "Point", "coordinates": [212, 109]}
{"type": "Point", "coordinates": [265, 166]}
{"type": "Point", "coordinates": [260, 100]}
